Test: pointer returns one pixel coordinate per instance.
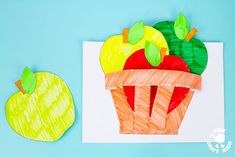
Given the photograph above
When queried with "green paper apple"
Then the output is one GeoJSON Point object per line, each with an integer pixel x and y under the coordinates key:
{"type": "Point", "coordinates": [43, 109]}
{"type": "Point", "coordinates": [181, 43]}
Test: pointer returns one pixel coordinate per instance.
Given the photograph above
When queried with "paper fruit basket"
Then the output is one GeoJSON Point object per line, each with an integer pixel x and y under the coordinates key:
{"type": "Point", "coordinates": [152, 74]}
{"type": "Point", "coordinates": [139, 121]}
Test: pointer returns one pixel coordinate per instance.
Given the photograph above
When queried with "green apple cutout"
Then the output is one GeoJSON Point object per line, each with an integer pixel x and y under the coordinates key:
{"type": "Point", "coordinates": [182, 43]}
{"type": "Point", "coordinates": [43, 109]}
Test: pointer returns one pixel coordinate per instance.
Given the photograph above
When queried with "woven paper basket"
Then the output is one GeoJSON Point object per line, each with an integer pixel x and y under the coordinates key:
{"type": "Point", "coordinates": [139, 121]}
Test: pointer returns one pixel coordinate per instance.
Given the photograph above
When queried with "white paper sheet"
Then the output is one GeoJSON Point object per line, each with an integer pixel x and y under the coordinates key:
{"type": "Point", "coordinates": [205, 112]}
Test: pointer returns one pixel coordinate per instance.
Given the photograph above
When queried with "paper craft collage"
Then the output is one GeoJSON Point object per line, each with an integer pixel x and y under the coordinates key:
{"type": "Point", "coordinates": [142, 82]}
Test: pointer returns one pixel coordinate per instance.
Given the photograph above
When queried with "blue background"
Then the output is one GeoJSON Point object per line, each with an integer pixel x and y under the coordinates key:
{"type": "Point", "coordinates": [47, 35]}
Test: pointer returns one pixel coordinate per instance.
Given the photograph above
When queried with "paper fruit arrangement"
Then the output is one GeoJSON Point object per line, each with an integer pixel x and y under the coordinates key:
{"type": "Point", "coordinates": [43, 109]}
{"type": "Point", "coordinates": [153, 76]}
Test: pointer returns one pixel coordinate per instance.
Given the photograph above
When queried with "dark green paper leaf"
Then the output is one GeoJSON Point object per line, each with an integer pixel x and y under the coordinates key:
{"type": "Point", "coordinates": [136, 33]}
{"type": "Point", "coordinates": [28, 80]}
{"type": "Point", "coordinates": [152, 54]}
{"type": "Point", "coordinates": [181, 26]}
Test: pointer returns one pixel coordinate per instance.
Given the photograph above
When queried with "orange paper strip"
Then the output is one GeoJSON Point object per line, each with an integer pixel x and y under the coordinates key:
{"type": "Point", "coordinates": [152, 77]}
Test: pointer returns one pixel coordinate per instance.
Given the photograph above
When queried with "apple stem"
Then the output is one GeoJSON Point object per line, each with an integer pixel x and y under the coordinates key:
{"type": "Point", "coordinates": [19, 85]}
{"type": "Point", "coordinates": [125, 35]}
{"type": "Point", "coordinates": [191, 34]}
{"type": "Point", "coordinates": [162, 53]}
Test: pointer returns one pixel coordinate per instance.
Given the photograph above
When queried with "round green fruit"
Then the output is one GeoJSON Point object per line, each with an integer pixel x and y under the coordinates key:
{"type": "Point", "coordinates": [45, 114]}
{"type": "Point", "coordinates": [193, 52]}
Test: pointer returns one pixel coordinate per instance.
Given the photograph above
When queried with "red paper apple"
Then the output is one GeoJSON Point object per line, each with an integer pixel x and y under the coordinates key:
{"type": "Point", "coordinates": [138, 60]}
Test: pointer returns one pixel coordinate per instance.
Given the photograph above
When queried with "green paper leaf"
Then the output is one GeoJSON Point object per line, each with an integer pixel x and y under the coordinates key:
{"type": "Point", "coordinates": [152, 54]}
{"type": "Point", "coordinates": [181, 26]}
{"type": "Point", "coordinates": [136, 33]}
{"type": "Point", "coordinates": [28, 80]}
